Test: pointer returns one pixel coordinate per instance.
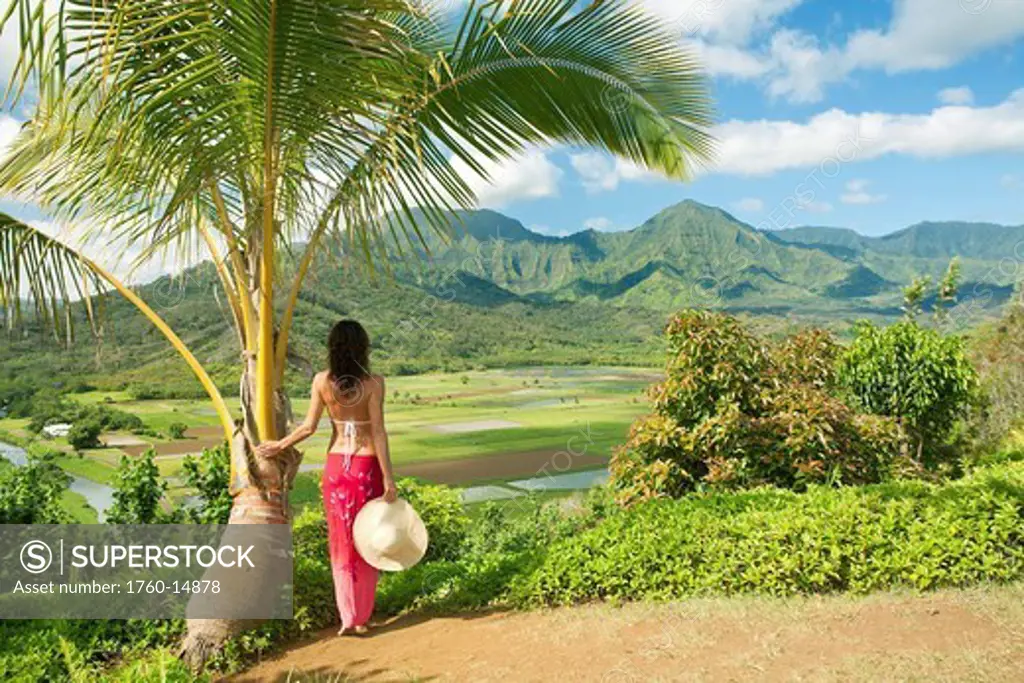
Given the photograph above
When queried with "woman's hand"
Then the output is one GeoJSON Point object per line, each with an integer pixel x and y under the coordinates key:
{"type": "Point", "coordinates": [390, 492]}
{"type": "Point", "coordinates": [269, 449]}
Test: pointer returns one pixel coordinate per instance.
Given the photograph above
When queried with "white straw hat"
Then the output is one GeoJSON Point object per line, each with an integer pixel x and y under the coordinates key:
{"type": "Point", "coordinates": [390, 536]}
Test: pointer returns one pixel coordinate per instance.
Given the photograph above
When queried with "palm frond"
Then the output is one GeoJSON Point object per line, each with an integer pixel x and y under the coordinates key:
{"type": "Point", "coordinates": [358, 108]}
{"type": "Point", "coordinates": [47, 275]}
{"type": "Point", "coordinates": [530, 72]}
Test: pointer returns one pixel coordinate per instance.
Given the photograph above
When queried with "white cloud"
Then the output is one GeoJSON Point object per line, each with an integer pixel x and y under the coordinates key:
{"type": "Point", "coordinates": [724, 21]}
{"type": "Point", "coordinates": [599, 223]}
{"type": "Point", "coordinates": [800, 68]}
{"type": "Point", "coordinates": [924, 35]}
{"type": "Point", "coordinates": [742, 39]}
{"type": "Point", "coordinates": [831, 140]}
{"type": "Point", "coordinates": [834, 138]}
{"type": "Point", "coordinates": [730, 60]}
{"type": "Point", "coordinates": [528, 176]}
{"type": "Point", "coordinates": [596, 171]}
{"type": "Point", "coordinates": [602, 173]}
{"type": "Point", "coordinates": [921, 35]}
{"type": "Point", "coordinates": [749, 205]}
{"type": "Point", "coordinates": [9, 128]}
{"type": "Point", "coordinates": [857, 193]}
{"type": "Point", "coordinates": [957, 96]}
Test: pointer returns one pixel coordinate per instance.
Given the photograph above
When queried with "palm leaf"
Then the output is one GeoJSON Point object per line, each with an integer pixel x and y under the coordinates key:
{"type": "Point", "coordinates": [48, 276]}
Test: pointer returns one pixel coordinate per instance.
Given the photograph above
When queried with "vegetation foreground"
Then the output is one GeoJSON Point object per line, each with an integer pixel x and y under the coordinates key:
{"type": "Point", "coordinates": [797, 467]}
{"type": "Point", "coordinates": [521, 554]}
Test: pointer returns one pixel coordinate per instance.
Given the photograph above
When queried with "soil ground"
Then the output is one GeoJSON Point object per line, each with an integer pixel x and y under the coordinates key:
{"type": "Point", "coordinates": [975, 635]}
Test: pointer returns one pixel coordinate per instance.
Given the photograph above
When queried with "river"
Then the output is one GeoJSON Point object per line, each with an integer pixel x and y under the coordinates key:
{"type": "Point", "coordinates": [99, 496]}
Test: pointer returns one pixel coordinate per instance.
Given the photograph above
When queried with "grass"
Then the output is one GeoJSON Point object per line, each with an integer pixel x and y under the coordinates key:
{"type": "Point", "coordinates": [79, 509]}
{"type": "Point", "coordinates": [88, 468]}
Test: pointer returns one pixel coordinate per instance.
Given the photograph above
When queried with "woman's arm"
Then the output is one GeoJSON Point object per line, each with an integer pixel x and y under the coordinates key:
{"type": "Point", "coordinates": [380, 436]}
{"type": "Point", "coordinates": [270, 449]}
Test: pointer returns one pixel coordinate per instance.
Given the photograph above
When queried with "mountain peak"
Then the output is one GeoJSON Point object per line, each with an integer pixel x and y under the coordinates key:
{"type": "Point", "coordinates": [485, 225]}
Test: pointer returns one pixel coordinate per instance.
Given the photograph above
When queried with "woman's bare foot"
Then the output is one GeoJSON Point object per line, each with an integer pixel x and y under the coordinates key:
{"type": "Point", "coordinates": [342, 631]}
{"type": "Point", "coordinates": [360, 630]}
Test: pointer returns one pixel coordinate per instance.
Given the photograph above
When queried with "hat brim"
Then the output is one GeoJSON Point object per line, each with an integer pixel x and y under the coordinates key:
{"type": "Point", "coordinates": [407, 525]}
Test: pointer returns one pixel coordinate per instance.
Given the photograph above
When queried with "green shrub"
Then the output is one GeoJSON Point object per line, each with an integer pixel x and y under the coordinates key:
{"type": "Point", "coordinates": [712, 362]}
{"type": "Point", "coordinates": [997, 351]}
{"type": "Point", "coordinates": [49, 406]}
{"type": "Point", "coordinates": [177, 430]}
{"type": "Point", "coordinates": [111, 419]}
{"type": "Point", "coordinates": [138, 491]}
{"type": "Point", "coordinates": [62, 649]}
{"type": "Point", "coordinates": [912, 374]}
{"type": "Point", "coordinates": [734, 411]}
{"type": "Point", "coordinates": [505, 540]}
{"type": "Point", "coordinates": [808, 357]}
{"type": "Point", "coordinates": [209, 476]}
{"type": "Point", "coordinates": [32, 494]}
{"type": "Point", "coordinates": [908, 534]}
{"type": "Point", "coordinates": [85, 434]}
{"type": "Point", "coordinates": [440, 508]}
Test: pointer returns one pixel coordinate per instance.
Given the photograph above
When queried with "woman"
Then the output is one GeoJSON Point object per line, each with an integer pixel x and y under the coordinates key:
{"type": "Point", "coordinates": [358, 462]}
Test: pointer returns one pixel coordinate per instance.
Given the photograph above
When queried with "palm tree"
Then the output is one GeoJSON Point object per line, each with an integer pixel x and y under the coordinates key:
{"type": "Point", "coordinates": [243, 127]}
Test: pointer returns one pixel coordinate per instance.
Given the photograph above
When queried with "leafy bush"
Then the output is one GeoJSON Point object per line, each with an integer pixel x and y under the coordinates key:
{"type": "Point", "coordinates": [440, 508]}
{"type": "Point", "coordinates": [908, 534]}
{"type": "Point", "coordinates": [112, 418]}
{"type": "Point", "coordinates": [32, 494]}
{"type": "Point", "coordinates": [505, 541]}
{"type": "Point", "coordinates": [49, 406]}
{"type": "Point", "coordinates": [138, 491]}
{"type": "Point", "coordinates": [998, 354]}
{"type": "Point", "coordinates": [17, 394]}
{"type": "Point", "coordinates": [209, 475]}
{"type": "Point", "coordinates": [713, 362]}
{"type": "Point", "coordinates": [808, 357]}
{"type": "Point", "coordinates": [177, 430]}
{"type": "Point", "coordinates": [912, 374]}
{"type": "Point", "coordinates": [734, 411]}
{"type": "Point", "coordinates": [85, 434]}
{"type": "Point", "coordinates": [76, 649]}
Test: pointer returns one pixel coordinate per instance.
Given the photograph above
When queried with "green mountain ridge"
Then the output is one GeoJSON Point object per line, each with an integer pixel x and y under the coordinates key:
{"type": "Point", "coordinates": [692, 254]}
{"type": "Point", "coordinates": [497, 293]}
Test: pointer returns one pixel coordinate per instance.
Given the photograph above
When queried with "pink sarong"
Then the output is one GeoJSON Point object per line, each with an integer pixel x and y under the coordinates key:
{"type": "Point", "coordinates": [348, 482]}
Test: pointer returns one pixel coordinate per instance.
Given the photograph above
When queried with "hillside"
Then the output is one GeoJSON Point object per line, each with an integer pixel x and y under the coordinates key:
{"type": "Point", "coordinates": [495, 293]}
{"type": "Point", "coordinates": [692, 254]}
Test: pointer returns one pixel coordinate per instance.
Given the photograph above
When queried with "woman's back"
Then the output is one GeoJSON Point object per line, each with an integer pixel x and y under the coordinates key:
{"type": "Point", "coordinates": [350, 411]}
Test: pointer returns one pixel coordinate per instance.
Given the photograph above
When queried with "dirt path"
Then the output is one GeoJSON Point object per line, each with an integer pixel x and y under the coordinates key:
{"type": "Point", "coordinates": [948, 636]}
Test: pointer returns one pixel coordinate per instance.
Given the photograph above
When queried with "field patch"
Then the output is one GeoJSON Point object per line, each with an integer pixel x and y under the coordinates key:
{"type": "Point", "coordinates": [474, 426]}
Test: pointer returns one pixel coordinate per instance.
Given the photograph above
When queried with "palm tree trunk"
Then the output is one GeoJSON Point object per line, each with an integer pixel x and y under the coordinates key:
{"type": "Point", "coordinates": [262, 489]}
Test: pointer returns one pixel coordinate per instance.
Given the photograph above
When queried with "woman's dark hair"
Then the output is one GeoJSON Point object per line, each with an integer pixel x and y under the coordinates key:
{"type": "Point", "coordinates": [348, 355]}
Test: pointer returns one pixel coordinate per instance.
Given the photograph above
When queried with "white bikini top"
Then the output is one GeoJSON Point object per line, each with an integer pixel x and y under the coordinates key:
{"type": "Point", "coordinates": [350, 430]}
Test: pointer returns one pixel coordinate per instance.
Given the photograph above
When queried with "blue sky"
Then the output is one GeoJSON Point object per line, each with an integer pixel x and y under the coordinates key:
{"type": "Point", "coordinates": [869, 114]}
{"type": "Point", "coordinates": [931, 91]}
